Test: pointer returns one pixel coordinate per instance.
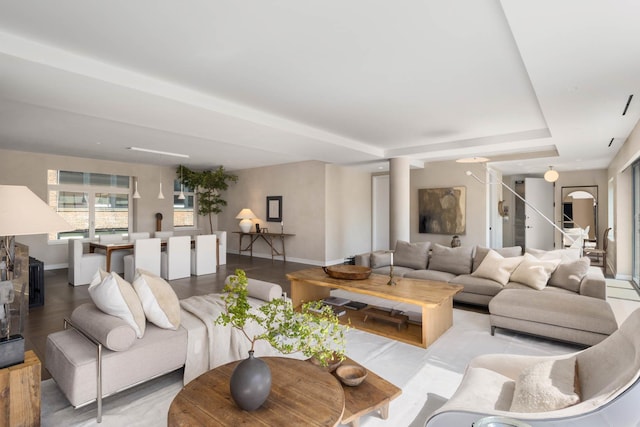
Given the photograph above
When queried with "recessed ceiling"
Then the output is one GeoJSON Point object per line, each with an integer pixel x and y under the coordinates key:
{"type": "Point", "coordinates": [253, 83]}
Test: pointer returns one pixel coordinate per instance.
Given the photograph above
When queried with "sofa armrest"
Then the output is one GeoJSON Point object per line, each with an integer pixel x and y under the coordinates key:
{"type": "Point", "coordinates": [593, 284]}
{"type": "Point", "coordinates": [363, 259]}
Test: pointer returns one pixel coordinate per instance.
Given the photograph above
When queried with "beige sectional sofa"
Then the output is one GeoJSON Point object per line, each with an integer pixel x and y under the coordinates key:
{"type": "Point", "coordinates": [520, 290]}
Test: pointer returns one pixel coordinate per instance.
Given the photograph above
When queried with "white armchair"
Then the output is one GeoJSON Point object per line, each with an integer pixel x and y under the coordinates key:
{"type": "Point", "coordinates": [607, 375]}
{"type": "Point", "coordinates": [222, 246]}
{"type": "Point", "coordinates": [176, 259]}
{"type": "Point", "coordinates": [163, 234]}
{"type": "Point", "coordinates": [82, 267]}
{"type": "Point", "coordinates": [146, 255]}
{"type": "Point", "coordinates": [139, 235]}
{"type": "Point", "coordinates": [203, 256]}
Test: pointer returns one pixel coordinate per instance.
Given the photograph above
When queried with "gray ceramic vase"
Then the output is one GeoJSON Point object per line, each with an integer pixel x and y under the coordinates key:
{"type": "Point", "coordinates": [250, 383]}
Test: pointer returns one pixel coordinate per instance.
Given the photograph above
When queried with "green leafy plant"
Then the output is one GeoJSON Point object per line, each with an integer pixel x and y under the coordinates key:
{"type": "Point", "coordinates": [314, 330]}
{"type": "Point", "coordinates": [208, 185]}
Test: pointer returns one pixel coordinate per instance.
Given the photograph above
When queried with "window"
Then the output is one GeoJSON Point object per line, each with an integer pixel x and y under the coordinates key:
{"type": "Point", "coordinates": [93, 203]}
{"type": "Point", "coordinates": [184, 214]}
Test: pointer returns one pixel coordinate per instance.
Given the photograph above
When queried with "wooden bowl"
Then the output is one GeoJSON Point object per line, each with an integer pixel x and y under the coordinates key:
{"type": "Point", "coordinates": [348, 272]}
{"type": "Point", "coordinates": [332, 363]}
{"type": "Point", "coordinates": [351, 375]}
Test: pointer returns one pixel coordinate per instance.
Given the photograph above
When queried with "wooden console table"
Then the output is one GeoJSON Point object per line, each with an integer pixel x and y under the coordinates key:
{"type": "Point", "coordinates": [267, 237]}
{"type": "Point", "coordinates": [434, 298]}
{"type": "Point", "coordinates": [20, 393]}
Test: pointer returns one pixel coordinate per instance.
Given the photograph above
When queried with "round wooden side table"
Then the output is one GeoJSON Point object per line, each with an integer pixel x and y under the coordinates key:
{"type": "Point", "coordinates": [302, 394]}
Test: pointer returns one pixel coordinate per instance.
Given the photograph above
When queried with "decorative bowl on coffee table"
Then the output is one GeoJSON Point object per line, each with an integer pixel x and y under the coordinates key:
{"type": "Point", "coordinates": [351, 375]}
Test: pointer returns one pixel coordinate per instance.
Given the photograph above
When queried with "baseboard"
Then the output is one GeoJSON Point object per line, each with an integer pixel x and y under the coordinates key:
{"type": "Point", "coordinates": [55, 266]}
{"type": "Point", "coordinates": [267, 255]}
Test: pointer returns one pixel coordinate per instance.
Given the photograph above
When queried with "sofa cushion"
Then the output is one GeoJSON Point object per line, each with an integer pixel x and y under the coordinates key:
{"type": "Point", "coordinates": [159, 301]}
{"type": "Point", "coordinates": [440, 276]}
{"type": "Point", "coordinates": [259, 289]}
{"type": "Point", "coordinates": [115, 296]}
{"type": "Point", "coordinates": [482, 252]}
{"type": "Point", "coordinates": [551, 308]}
{"type": "Point", "coordinates": [569, 275]}
{"type": "Point", "coordinates": [496, 267]}
{"type": "Point", "coordinates": [380, 259]}
{"type": "Point", "coordinates": [451, 260]}
{"type": "Point", "coordinates": [546, 386]}
{"type": "Point", "coordinates": [397, 271]}
{"type": "Point", "coordinates": [112, 332]}
{"type": "Point", "coordinates": [412, 255]}
{"type": "Point", "coordinates": [477, 285]}
{"type": "Point", "coordinates": [534, 272]}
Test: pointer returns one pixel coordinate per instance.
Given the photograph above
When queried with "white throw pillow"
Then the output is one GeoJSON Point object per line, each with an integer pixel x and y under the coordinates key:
{"type": "Point", "coordinates": [159, 301]}
{"type": "Point", "coordinates": [496, 267]}
{"type": "Point", "coordinates": [534, 272]}
{"type": "Point", "coordinates": [115, 296]}
{"type": "Point", "coordinates": [546, 386]}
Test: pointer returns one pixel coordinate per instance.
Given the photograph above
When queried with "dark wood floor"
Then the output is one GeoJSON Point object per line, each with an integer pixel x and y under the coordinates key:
{"type": "Point", "coordinates": [61, 298]}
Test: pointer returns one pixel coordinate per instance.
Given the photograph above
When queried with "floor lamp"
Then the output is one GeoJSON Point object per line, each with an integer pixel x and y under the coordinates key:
{"type": "Point", "coordinates": [469, 173]}
{"type": "Point", "coordinates": [21, 213]}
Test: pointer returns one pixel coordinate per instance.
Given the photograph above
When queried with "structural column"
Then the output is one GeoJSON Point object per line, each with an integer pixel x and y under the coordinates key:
{"type": "Point", "coordinates": [399, 200]}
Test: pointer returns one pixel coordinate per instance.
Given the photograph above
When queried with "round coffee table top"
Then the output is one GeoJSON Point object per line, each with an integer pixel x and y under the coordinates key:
{"type": "Point", "coordinates": [301, 394]}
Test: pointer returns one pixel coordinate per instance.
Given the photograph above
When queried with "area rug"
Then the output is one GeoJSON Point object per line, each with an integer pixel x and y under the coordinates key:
{"type": "Point", "coordinates": [427, 377]}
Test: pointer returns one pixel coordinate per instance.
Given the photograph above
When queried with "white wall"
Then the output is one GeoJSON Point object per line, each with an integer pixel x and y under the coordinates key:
{"type": "Point", "coordinates": [327, 207]}
{"type": "Point", "coordinates": [452, 174]}
{"type": "Point", "coordinates": [620, 250]}
{"type": "Point", "coordinates": [30, 169]}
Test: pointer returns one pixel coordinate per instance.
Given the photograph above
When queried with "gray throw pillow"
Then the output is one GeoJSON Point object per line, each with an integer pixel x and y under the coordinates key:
{"type": "Point", "coordinates": [411, 255]}
{"type": "Point", "coordinates": [569, 275]}
{"type": "Point", "coordinates": [380, 259]}
{"type": "Point", "coordinates": [482, 252]}
{"type": "Point", "coordinates": [451, 260]}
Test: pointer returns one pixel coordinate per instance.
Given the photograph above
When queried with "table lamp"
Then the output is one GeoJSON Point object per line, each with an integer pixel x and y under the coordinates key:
{"type": "Point", "coordinates": [21, 213]}
{"type": "Point", "coordinates": [246, 215]}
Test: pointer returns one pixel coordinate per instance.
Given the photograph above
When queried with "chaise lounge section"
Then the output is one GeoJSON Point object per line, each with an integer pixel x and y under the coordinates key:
{"type": "Point", "coordinates": [554, 294]}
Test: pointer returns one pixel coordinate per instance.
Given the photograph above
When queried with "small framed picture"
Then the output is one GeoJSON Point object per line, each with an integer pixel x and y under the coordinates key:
{"type": "Point", "coordinates": [274, 208]}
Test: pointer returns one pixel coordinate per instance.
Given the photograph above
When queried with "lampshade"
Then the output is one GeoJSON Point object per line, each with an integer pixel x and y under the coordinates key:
{"type": "Point", "coordinates": [22, 213]}
{"type": "Point", "coordinates": [551, 175]}
{"type": "Point", "coordinates": [246, 215]}
{"type": "Point", "coordinates": [136, 195]}
{"type": "Point", "coordinates": [160, 195]}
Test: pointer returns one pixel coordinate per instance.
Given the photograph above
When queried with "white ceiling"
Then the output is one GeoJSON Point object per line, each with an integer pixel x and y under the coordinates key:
{"type": "Point", "coordinates": [247, 83]}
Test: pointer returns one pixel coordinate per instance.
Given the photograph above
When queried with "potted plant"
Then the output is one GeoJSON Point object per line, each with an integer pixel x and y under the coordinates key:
{"type": "Point", "coordinates": [314, 330]}
{"type": "Point", "coordinates": [208, 185]}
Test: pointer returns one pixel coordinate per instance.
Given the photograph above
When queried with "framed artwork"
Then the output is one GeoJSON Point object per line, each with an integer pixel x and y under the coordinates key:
{"type": "Point", "coordinates": [442, 210]}
{"type": "Point", "coordinates": [274, 208]}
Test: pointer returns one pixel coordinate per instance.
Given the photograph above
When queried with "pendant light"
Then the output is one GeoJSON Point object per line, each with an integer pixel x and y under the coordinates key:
{"type": "Point", "coordinates": [136, 195]}
{"type": "Point", "coordinates": [181, 195]}
{"type": "Point", "coordinates": [551, 175]}
{"type": "Point", "coordinates": [160, 195]}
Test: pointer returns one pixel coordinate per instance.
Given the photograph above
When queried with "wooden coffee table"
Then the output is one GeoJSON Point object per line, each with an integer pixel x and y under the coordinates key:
{"type": "Point", "coordinates": [373, 394]}
{"type": "Point", "coordinates": [435, 299]}
{"type": "Point", "coordinates": [302, 394]}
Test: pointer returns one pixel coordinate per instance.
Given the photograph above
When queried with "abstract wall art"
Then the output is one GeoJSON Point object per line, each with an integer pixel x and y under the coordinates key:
{"type": "Point", "coordinates": [442, 210]}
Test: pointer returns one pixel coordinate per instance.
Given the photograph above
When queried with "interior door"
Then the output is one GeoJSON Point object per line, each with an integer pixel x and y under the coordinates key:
{"type": "Point", "coordinates": [538, 231]}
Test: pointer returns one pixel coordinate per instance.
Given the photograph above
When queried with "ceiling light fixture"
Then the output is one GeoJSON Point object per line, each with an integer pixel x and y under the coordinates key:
{"type": "Point", "coordinates": [164, 153]}
{"type": "Point", "coordinates": [551, 175]}
{"type": "Point", "coordinates": [473, 160]}
{"type": "Point", "coordinates": [160, 195]}
{"type": "Point", "coordinates": [136, 195]}
{"type": "Point", "coordinates": [181, 195]}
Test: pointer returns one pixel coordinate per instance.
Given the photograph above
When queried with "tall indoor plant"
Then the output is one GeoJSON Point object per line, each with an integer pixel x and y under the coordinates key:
{"type": "Point", "coordinates": [314, 330]}
{"type": "Point", "coordinates": [208, 185]}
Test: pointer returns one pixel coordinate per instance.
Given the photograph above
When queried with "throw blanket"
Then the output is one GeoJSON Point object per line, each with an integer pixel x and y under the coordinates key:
{"type": "Point", "coordinates": [223, 344]}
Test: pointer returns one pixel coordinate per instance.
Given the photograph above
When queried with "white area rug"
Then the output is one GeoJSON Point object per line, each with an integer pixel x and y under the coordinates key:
{"type": "Point", "coordinates": [427, 377]}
